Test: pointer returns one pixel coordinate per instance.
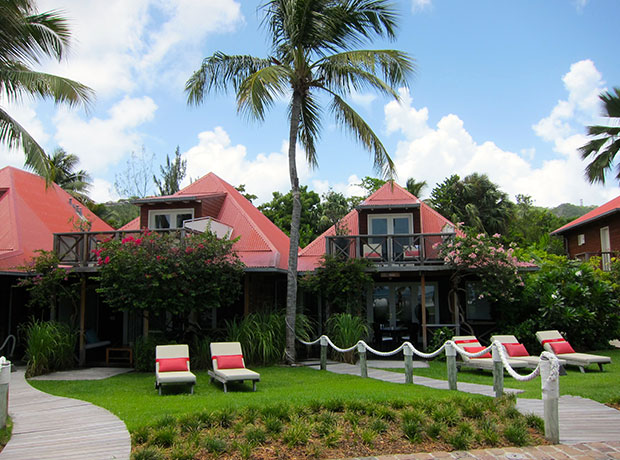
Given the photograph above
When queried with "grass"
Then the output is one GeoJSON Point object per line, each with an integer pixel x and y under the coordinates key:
{"type": "Point", "coordinates": [5, 433]}
{"type": "Point", "coordinates": [599, 386]}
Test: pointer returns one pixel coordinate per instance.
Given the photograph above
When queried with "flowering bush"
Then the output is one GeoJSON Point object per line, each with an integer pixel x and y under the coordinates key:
{"type": "Point", "coordinates": [484, 255]}
{"type": "Point", "coordinates": [159, 273]}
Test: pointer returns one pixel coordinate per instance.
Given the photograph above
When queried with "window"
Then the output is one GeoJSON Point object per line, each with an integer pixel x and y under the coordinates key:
{"type": "Point", "coordinates": [432, 303]}
{"type": "Point", "coordinates": [390, 224]}
{"type": "Point", "coordinates": [477, 308]}
{"type": "Point", "coordinates": [169, 219]}
{"type": "Point", "coordinates": [581, 239]}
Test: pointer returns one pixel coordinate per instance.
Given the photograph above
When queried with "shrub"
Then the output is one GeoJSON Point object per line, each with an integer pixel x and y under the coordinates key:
{"type": "Point", "coordinates": [345, 330]}
{"type": "Point", "coordinates": [368, 436]}
{"type": "Point", "coordinates": [517, 434]}
{"type": "Point", "coordinates": [50, 346]}
{"type": "Point", "coordinates": [148, 453]}
{"type": "Point", "coordinates": [144, 352]}
{"type": "Point", "coordinates": [141, 435]}
{"type": "Point", "coordinates": [214, 444]}
{"type": "Point", "coordinates": [413, 430]}
{"type": "Point", "coordinates": [439, 336]}
{"type": "Point", "coordinates": [273, 425]}
{"type": "Point", "coordinates": [297, 433]}
{"type": "Point", "coordinates": [255, 435]}
{"type": "Point", "coordinates": [164, 436]}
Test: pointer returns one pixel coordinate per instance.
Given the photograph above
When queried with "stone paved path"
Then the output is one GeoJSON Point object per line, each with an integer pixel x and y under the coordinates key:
{"type": "Point", "coordinates": [47, 427]}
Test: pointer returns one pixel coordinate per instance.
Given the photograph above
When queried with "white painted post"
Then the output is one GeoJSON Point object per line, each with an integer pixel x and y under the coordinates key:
{"type": "Point", "coordinates": [323, 353]}
{"type": "Point", "coordinates": [451, 365]}
{"type": "Point", "coordinates": [408, 352]}
{"type": "Point", "coordinates": [550, 395]}
{"type": "Point", "coordinates": [498, 371]}
{"type": "Point", "coordinates": [361, 349]}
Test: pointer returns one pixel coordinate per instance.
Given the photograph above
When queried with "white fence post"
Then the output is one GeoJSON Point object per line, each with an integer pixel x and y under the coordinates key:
{"type": "Point", "coordinates": [408, 352]}
{"type": "Point", "coordinates": [498, 371]}
{"type": "Point", "coordinates": [550, 395]}
{"type": "Point", "coordinates": [451, 365]}
{"type": "Point", "coordinates": [361, 349]}
{"type": "Point", "coordinates": [323, 353]}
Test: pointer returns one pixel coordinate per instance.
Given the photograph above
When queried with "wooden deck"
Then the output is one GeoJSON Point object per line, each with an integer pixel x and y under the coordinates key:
{"type": "Point", "coordinates": [581, 419]}
{"type": "Point", "coordinates": [47, 427]}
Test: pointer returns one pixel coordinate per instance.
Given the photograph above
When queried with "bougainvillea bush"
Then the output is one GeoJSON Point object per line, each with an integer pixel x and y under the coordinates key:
{"type": "Point", "coordinates": [159, 272]}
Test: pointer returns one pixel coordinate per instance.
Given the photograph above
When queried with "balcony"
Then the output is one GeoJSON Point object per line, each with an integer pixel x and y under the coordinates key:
{"type": "Point", "coordinates": [605, 256]}
{"type": "Point", "coordinates": [415, 249]}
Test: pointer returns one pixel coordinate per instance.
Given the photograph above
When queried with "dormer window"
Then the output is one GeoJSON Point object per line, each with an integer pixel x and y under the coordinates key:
{"type": "Point", "coordinates": [169, 218]}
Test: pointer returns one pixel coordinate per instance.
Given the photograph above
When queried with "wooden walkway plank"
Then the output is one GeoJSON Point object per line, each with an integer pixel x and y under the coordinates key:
{"type": "Point", "coordinates": [47, 427]}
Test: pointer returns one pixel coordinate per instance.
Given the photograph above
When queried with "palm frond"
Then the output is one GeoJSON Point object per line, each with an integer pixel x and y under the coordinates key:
{"type": "Point", "coordinates": [219, 72]}
{"type": "Point", "coordinates": [349, 118]}
{"type": "Point", "coordinates": [603, 159]}
{"type": "Point", "coordinates": [258, 91]}
{"type": "Point", "coordinates": [14, 135]}
{"type": "Point", "coordinates": [603, 130]}
{"type": "Point", "coordinates": [611, 103]}
{"type": "Point", "coordinates": [309, 128]}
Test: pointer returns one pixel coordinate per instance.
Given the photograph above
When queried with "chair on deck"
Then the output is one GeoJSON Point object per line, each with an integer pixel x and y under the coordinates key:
{"type": "Point", "coordinates": [470, 344]}
{"type": "Point", "coordinates": [229, 366]}
{"type": "Point", "coordinates": [516, 350]}
{"type": "Point", "coordinates": [172, 367]}
{"type": "Point", "coordinates": [554, 342]}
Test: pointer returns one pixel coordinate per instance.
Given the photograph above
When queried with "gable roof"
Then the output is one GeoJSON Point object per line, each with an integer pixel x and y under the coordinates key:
{"type": "Point", "coordinates": [261, 244]}
{"type": "Point", "coordinates": [607, 209]}
{"type": "Point", "coordinates": [390, 195]}
{"type": "Point", "coordinates": [31, 213]}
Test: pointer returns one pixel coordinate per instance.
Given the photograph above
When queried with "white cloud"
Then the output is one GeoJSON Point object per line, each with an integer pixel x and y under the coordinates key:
{"type": "Point", "coordinates": [99, 142]}
{"type": "Point", "coordinates": [262, 175]}
{"type": "Point", "coordinates": [363, 99]}
{"type": "Point", "coordinates": [348, 189]}
{"type": "Point", "coordinates": [420, 5]}
{"type": "Point", "coordinates": [102, 191]}
{"type": "Point", "coordinates": [24, 113]}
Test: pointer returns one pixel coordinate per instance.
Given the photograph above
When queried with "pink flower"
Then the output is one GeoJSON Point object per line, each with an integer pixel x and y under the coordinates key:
{"type": "Point", "coordinates": [106, 260]}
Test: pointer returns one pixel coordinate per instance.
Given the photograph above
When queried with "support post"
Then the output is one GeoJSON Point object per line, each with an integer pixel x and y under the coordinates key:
{"type": "Point", "coordinates": [361, 349]}
{"type": "Point", "coordinates": [498, 372]}
{"type": "Point", "coordinates": [423, 302]}
{"type": "Point", "coordinates": [408, 352]}
{"type": "Point", "coordinates": [451, 365]}
{"type": "Point", "coordinates": [82, 320]}
{"type": "Point", "coordinates": [323, 353]}
{"type": "Point", "coordinates": [550, 395]}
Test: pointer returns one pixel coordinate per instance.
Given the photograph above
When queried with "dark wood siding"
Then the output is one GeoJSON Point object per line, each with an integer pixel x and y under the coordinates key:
{"type": "Point", "coordinates": [364, 213]}
{"type": "Point", "coordinates": [592, 235]}
{"type": "Point", "coordinates": [145, 208]}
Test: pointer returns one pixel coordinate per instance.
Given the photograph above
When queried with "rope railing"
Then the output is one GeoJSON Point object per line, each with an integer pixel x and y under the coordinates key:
{"type": "Point", "coordinates": [548, 368]}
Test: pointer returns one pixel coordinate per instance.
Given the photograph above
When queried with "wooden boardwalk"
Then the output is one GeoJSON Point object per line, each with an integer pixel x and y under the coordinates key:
{"type": "Point", "coordinates": [581, 419]}
{"type": "Point", "coordinates": [47, 427]}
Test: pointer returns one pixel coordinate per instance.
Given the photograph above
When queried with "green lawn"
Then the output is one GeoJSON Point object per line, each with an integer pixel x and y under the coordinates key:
{"type": "Point", "coordinates": [599, 386]}
{"type": "Point", "coordinates": [133, 398]}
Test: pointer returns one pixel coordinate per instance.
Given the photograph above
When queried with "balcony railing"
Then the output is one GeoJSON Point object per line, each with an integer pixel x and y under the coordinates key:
{"type": "Point", "coordinates": [605, 257]}
{"type": "Point", "coordinates": [410, 249]}
{"type": "Point", "coordinates": [77, 249]}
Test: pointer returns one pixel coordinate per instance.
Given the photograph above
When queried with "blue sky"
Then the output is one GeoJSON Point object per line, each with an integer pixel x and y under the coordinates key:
{"type": "Point", "coordinates": [501, 87]}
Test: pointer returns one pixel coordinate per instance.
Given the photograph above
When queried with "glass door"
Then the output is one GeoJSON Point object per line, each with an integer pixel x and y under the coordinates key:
{"type": "Point", "coordinates": [432, 303]}
{"type": "Point", "coordinates": [393, 224]}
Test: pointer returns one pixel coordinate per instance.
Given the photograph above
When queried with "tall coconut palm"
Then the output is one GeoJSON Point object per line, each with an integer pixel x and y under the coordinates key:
{"type": "Point", "coordinates": [606, 142]}
{"type": "Point", "coordinates": [61, 170]}
{"type": "Point", "coordinates": [312, 54]}
{"type": "Point", "coordinates": [26, 36]}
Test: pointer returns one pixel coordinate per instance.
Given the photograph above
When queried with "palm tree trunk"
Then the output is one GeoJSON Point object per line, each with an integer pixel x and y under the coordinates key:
{"type": "Point", "coordinates": [291, 285]}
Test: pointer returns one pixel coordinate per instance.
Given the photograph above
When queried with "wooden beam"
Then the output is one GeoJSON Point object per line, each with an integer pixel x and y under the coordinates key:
{"type": "Point", "coordinates": [82, 320]}
{"type": "Point", "coordinates": [423, 292]}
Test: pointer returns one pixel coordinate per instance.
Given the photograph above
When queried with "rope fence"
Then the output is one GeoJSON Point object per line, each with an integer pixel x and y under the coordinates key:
{"type": "Point", "coordinates": [548, 368]}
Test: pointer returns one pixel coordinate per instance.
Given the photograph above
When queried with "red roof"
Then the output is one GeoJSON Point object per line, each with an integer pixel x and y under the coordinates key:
{"type": "Point", "coordinates": [608, 208]}
{"type": "Point", "coordinates": [34, 213]}
{"type": "Point", "coordinates": [389, 195]}
{"type": "Point", "coordinates": [261, 243]}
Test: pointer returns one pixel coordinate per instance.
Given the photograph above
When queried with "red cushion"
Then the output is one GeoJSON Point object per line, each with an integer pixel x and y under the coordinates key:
{"type": "Point", "coordinates": [515, 349]}
{"type": "Point", "coordinates": [560, 348]}
{"type": "Point", "coordinates": [414, 253]}
{"type": "Point", "coordinates": [173, 364]}
{"type": "Point", "coordinates": [229, 362]}
{"type": "Point", "coordinates": [476, 350]}
{"type": "Point", "coordinates": [466, 341]}
{"type": "Point", "coordinates": [372, 254]}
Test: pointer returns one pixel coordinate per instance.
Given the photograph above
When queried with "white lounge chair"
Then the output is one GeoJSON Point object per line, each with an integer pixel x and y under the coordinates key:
{"type": "Point", "coordinates": [470, 343]}
{"type": "Point", "coordinates": [516, 350]}
{"type": "Point", "coordinates": [553, 342]}
{"type": "Point", "coordinates": [172, 367]}
{"type": "Point", "coordinates": [229, 366]}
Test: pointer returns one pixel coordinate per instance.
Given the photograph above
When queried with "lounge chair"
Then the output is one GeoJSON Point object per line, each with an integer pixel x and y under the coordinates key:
{"type": "Point", "coordinates": [554, 342]}
{"type": "Point", "coordinates": [516, 350]}
{"type": "Point", "coordinates": [229, 366]}
{"type": "Point", "coordinates": [470, 343]}
{"type": "Point", "coordinates": [172, 367]}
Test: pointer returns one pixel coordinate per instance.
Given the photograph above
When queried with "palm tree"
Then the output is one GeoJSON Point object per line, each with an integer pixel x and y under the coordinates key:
{"type": "Point", "coordinates": [25, 37]}
{"type": "Point", "coordinates": [61, 171]}
{"type": "Point", "coordinates": [414, 187]}
{"type": "Point", "coordinates": [606, 142]}
{"type": "Point", "coordinates": [313, 53]}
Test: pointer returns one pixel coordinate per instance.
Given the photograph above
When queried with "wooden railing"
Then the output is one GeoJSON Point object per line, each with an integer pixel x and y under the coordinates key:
{"type": "Point", "coordinates": [413, 249]}
{"type": "Point", "coordinates": [77, 249]}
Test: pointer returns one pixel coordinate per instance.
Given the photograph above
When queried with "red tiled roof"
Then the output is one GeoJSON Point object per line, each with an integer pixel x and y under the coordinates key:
{"type": "Point", "coordinates": [390, 194]}
{"type": "Point", "coordinates": [602, 211]}
{"type": "Point", "coordinates": [31, 213]}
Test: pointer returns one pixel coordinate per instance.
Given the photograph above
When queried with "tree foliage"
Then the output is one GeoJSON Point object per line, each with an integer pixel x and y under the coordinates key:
{"type": "Point", "coordinates": [62, 171]}
{"type": "Point", "coordinates": [172, 174]}
{"type": "Point", "coordinates": [135, 180]}
{"type": "Point", "coordinates": [415, 188]}
{"type": "Point", "coordinates": [27, 37]}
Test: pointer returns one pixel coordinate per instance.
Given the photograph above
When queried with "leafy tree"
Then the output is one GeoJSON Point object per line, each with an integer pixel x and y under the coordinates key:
{"type": "Point", "coordinates": [135, 179]}
{"type": "Point", "coordinates": [414, 187]}
{"type": "Point", "coordinates": [26, 37]}
{"type": "Point", "coordinates": [475, 201]}
{"type": "Point", "coordinates": [61, 171]}
{"type": "Point", "coordinates": [334, 206]}
{"type": "Point", "coordinates": [171, 175]}
{"type": "Point", "coordinates": [279, 210]}
{"type": "Point", "coordinates": [312, 54]}
{"type": "Point", "coordinates": [371, 184]}
{"type": "Point", "coordinates": [606, 142]}
{"type": "Point", "coordinates": [248, 196]}
{"type": "Point", "coordinates": [117, 213]}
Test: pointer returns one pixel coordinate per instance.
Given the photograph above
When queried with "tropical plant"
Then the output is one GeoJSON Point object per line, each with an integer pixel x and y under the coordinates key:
{"type": "Point", "coordinates": [312, 54]}
{"type": "Point", "coordinates": [61, 171]}
{"type": "Point", "coordinates": [414, 187]}
{"type": "Point", "coordinates": [345, 330]}
{"type": "Point", "coordinates": [606, 142]}
{"type": "Point", "coordinates": [171, 174]}
{"type": "Point", "coordinates": [50, 346]}
{"type": "Point", "coordinates": [27, 36]}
